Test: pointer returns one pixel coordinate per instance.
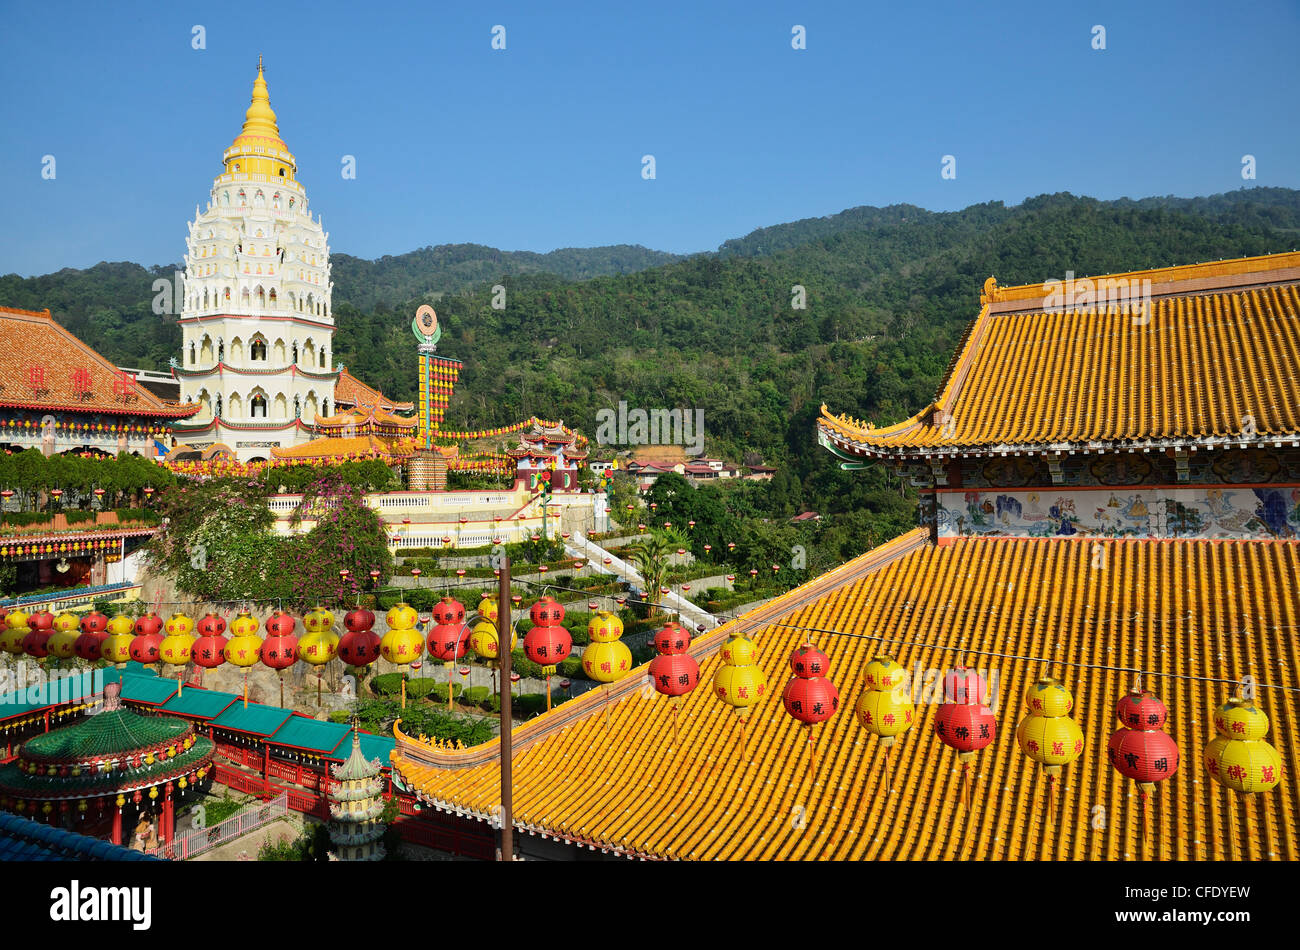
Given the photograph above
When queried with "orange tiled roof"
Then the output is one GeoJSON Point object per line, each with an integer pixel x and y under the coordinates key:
{"type": "Point", "coordinates": [1203, 609]}
{"type": "Point", "coordinates": [365, 446]}
{"type": "Point", "coordinates": [353, 392]}
{"type": "Point", "coordinates": [364, 416]}
{"type": "Point", "coordinates": [31, 340]}
{"type": "Point", "coordinates": [1220, 343]}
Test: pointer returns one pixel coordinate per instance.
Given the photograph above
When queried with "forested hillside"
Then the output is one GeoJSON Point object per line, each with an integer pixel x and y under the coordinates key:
{"type": "Point", "coordinates": [889, 291]}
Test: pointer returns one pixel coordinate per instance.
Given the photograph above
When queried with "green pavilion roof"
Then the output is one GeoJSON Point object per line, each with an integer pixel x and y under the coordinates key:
{"type": "Point", "coordinates": [256, 719]}
{"type": "Point", "coordinates": [312, 735]}
{"type": "Point", "coordinates": [40, 696]}
{"type": "Point", "coordinates": [200, 703]}
{"type": "Point", "coordinates": [357, 766]}
{"type": "Point", "coordinates": [108, 733]}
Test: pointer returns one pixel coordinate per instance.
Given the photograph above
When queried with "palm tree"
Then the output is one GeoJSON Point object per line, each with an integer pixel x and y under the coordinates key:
{"type": "Point", "coordinates": [651, 554]}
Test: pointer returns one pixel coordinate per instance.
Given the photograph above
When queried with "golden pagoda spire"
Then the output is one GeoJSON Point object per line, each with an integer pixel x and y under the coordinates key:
{"type": "Point", "coordinates": [258, 147]}
{"type": "Point", "coordinates": [259, 120]}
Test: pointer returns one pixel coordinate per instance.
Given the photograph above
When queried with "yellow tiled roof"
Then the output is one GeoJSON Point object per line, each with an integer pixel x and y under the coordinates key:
{"type": "Point", "coordinates": [1197, 608]}
{"type": "Point", "coordinates": [1196, 365]}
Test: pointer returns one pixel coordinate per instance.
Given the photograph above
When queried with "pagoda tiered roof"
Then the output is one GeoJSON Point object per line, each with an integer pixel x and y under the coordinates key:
{"type": "Point", "coordinates": [350, 391]}
{"type": "Point", "coordinates": [1213, 359]}
{"type": "Point", "coordinates": [1193, 616]}
{"type": "Point", "coordinates": [43, 367]}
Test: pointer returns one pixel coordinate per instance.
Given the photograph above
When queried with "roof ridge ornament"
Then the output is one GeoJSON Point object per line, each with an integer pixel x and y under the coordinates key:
{"type": "Point", "coordinates": [991, 292]}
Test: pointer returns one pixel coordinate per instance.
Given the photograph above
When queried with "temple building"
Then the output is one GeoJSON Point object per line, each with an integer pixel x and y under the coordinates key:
{"type": "Point", "coordinates": [257, 325]}
{"type": "Point", "coordinates": [356, 807]}
{"type": "Point", "coordinates": [1109, 498]}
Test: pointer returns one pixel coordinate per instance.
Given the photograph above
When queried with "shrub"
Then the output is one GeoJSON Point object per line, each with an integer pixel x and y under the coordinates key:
{"type": "Point", "coordinates": [529, 704]}
{"type": "Point", "coordinates": [476, 694]}
{"type": "Point", "coordinates": [439, 692]}
{"type": "Point", "coordinates": [340, 715]}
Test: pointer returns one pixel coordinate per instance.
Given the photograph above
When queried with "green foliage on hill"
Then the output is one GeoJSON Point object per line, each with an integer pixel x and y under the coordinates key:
{"type": "Point", "coordinates": [889, 292]}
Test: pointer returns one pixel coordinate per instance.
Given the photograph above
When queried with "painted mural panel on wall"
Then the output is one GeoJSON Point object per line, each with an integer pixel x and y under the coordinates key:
{"type": "Point", "coordinates": [1201, 512]}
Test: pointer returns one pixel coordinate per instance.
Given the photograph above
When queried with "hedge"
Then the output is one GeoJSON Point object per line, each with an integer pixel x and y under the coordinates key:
{"type": "Point", "coordinates": [476, 694]}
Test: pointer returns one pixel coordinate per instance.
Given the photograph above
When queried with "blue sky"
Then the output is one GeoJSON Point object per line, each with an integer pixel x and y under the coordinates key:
{"type": "Point", "coordinates": [540, 145]}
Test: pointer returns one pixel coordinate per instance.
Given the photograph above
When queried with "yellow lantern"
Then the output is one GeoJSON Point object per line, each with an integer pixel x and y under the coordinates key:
{"type": "Point", "coordinates": [606, 661]}
{"type": "Point", "coordinates": [120, 801]}
{"type": "Point", "coordinates": [738, 681]}
{"type": "Point", "coordinates": [401, 646]}
{"type": "Point", "coordinates": [884, 708]}
{"type": "Point", "coordinates": [604, 627]}
{"type": "Point", "coordinates": [244, 625]}
{"type": "Point", "coordinates": [402, 617]}
{"type": "Point", "coordinates": [65, 635]}
{"type": "Point", "coordinates": [116, 647]}
{"type": "Point", "coordinates": [179, 624]}
{"type": "Point", "coordinates": [1047, 735]}
{"type": "Point", "coordinates": [487, 608]}
{"type": "Point", "coordinates": [1238, 757]}
{"type": "Point", "coordinates": [320, 646]}
{"type": "Point", "coordinates": [16, 629]}
{"type": "Point", "coordinates": [318, 620]}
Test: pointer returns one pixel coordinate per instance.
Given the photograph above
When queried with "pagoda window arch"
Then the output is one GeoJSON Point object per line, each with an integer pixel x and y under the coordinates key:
{"type": "Point", "coordinates": [205, 298]}
{"type": "Point", "coordinates": [278, 351]}
{"type": "Point", "coordinates": [297, 406]}
{"type": "Point", "coordinates": [225, 199]}
{"type": "Point", "coordinates": [272, 297]}
{"type": "Point", "coordinates": [205, 349]}
{"type": "Point", "coordinates": [227, 293]}
{"type": "Point", "coordinates": [235, 407]}
{"type": "Point", "coordinates": [324, 358]}
{"type": "Point", "coordinates": [325, 407]}
{"type": "Point", "coordinates": [275, 198]}
{"type": "Point", "coordinates": [291, 202]}
{"type": "Point", "coordinates": [293, 300]}
{"type": "Point", "coordinates": [244, 298]}
{"type": "Point", "coordinates": [309, 353]}
{"type": "Point", "coordinates": [259, 199]}
{"type": "Point", "coordinates": [312, 409]}
{"type": "Point", "coordinates": [281, 407]}
{"type": "Point", "coordinates": [236, 352]}
{"type": "Point", "coordinates": [193, 353]}
{"type": "Point", "coordinates": [243, 198]}
{"type": "Point", "coordinates": [221, 349]}
{"type": "Point", "coordinates": [257, 349]}
{"type": "Point", "coordinates": [295, 351]}
{"type": "Point", "coordinates": [257, 406]}
{"type": "Point", "coordinates": [311, 303]}
{"type": "Point", "coordinates": [218, 405]}
{"type": "Point", "coordinates": [260, 294]}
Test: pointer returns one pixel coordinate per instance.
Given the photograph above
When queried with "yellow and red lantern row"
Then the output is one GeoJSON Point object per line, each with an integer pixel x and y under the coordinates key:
{"type": "Point", "coordinates": [360, 645]}
{"type": "Point", "coordinates": [964, 721]}
{"type": "Point", "coordinates": [548, 643]}
{"type": "Point", "coordinates": [1140, 750]}
{"type": "Point", "coordinates": [810, 696]}
{"type": "Point", "coordinates": [19, 549]}
{"type": "Point", "coordinates": [82, 427]}
{"type": "Point", "coordinates": [1238, 757]}
{"type": "Point", "coordinates": [176, 645]}
{"type": "Point", "coordinates": [320, 644]}
{"type": "Point", "coordinates": [209, 650]}
{"type": "Point", "coordinates": [674, 672]}
{"type": "Point", "coordinates": [1048, 736]}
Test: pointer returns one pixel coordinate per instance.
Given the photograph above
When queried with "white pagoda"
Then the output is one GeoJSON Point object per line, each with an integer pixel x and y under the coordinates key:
{"type": "Point", "coordinates": [257, 328]}
{"type": "Point", "coordinates": [355, 806]}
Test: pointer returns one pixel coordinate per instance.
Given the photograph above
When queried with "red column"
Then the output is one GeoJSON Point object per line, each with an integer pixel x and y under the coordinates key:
{"type": "Point", "coordinates": [169, 815]}
{"type": "Point", "coordinates": [117, 825]}
{"type": "Point", "coordinates": [266, 763]}
{"type": "Point", "coordinates": [47, 720]}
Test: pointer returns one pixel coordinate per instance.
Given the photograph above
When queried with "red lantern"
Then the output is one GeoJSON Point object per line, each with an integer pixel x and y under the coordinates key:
{"type": "Point", "coordinates": [148, 625]}
{"type": "Point", "coordinates": [964, 722]}
{"type": "Point", "coordinates": [962, 685]}
{"type": "Point", "coordinates": [548, 645]}
{"type": "Point", "coordinates": [42, 620]}
{"type": "Point", "coordinates": [212, 625]}
{"type": "Point", "coordinates": [144, 647]}
{"type": "Point", "coordinates": [359, 647]}
{"type": "Point", "coordinates": [449, 641]}
{"type": "Point", "coordinates": [280, 624]}
{"type": "Point", "coordinates": [90, 644]}
{"type": "Point", "coordinates": [674, 674]}
{"type": "Point", "coordinates": [449, 610]}
{"type": "Point", "coordinates": [809, 696]}
{"type": "Point", "coordinates": [209, 650]}
{"type": "Point", "coordinates": [34, 643]}
{"type": "Point", "coordinates": [358, 620]}
{"type": "Point", "coordinates": [94, 622]}
{"type": "Point", "coordinates": [1140, 750]}
{"type": "Point", "coordinates": [672, 639]}
{"type": "Point", "coordinates": [547, 612]}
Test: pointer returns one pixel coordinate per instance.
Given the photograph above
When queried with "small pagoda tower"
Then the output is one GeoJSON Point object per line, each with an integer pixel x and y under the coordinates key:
{"type": "Point", "coordinates": [355, 806]}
